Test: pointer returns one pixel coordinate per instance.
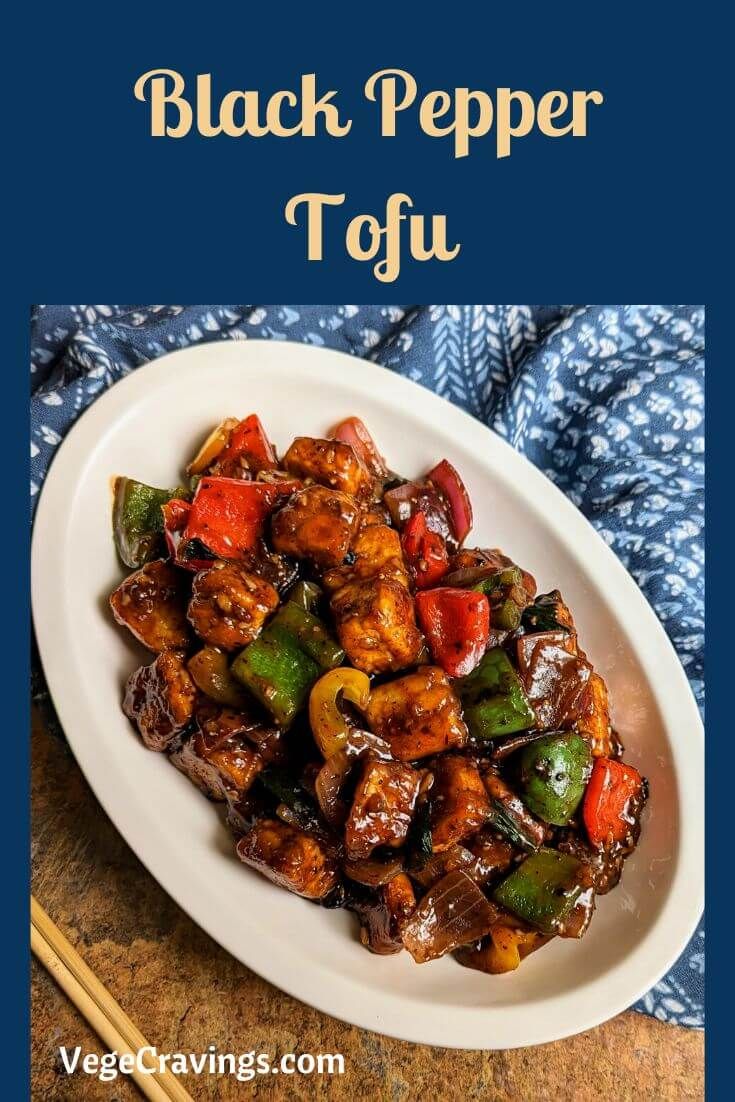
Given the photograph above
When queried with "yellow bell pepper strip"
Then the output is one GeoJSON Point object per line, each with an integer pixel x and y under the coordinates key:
{"type": "Point", "coordinates": [329, 725]}
{"type": "Point", "coordinates": [493, 698]}
{"type": "Point", "coordinates": [137, 521]}
{"type": "Point", "coordinates": [507, 944]}
{"type": "Point", "coordinates": [543, 889]}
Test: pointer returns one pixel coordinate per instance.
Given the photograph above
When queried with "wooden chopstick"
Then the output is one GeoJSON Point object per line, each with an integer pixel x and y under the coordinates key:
{"type": "Point", "coordinates": [96, 1004]}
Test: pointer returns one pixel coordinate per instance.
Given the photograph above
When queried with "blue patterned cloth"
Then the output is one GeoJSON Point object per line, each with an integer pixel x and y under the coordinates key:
{"type": "Point", "coordinates": [608, 401]}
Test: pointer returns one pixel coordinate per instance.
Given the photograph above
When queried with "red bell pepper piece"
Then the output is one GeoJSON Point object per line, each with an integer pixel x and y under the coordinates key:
{"type": "Point", "coordinates": [611, 787]}
{"type": "Point", "coordinates": [175, 515]}
{"type": "Point", "coordinates": [249, 441]}
{"type": "Point", "coordinates": [446, 479]}
{"type": "Point", "coordinates": [456, 623]}
{"type": "Point", "coordinates": [425, 551]}
{"type": "Point", "coordinates": [353, 431]}
{"type": "Point", "coordinates": [175, 518]}
{"type": "Point", "coordinates": [228, 515]}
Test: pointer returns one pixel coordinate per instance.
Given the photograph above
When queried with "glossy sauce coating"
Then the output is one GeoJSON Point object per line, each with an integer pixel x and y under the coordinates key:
{"type": "Point", "coordinates": [151, 603]}
{"type": "Point", "coordinates": [229, 605]}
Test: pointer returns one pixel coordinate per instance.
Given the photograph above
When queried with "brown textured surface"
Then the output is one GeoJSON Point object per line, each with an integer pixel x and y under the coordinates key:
{"type": "Point", "coordinates": [184, 992]}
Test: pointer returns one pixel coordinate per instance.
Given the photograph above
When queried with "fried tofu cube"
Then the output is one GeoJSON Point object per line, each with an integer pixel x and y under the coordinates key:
{"type": "Point", "coordinates": [317, 524]}
{"type": "Point", "coordinates": [229, 605]}
{"type": "Point", "coordinates": [329, 462]}
{"type": "Point", "coordinates": [290, 858]}
{"type": "Point", "coordinates": [594, 722]}
{"type": "Point", "coordinates": [377, 553]}
{"type": "Point", "coordinates": [219, 758]}
{"type": "Point", "coordinates": [376, 625]}
{"type": "Point", "coordinates": [459, 801]}
{"type": "Point", "coordinates": [418, 714]}
{"type": "Point", "coordinates": [382, 807]}
{"type": "Point", "coordinates": [152, 604]}
{"type": "Point", "coordinates": [160, 699]}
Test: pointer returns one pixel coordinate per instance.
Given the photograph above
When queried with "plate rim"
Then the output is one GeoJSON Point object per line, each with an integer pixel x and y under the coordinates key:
{"type": "Point", "coordinates": [337, 1003]}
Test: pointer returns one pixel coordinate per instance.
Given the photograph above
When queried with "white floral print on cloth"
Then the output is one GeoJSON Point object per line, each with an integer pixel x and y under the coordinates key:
{"type": "Point", "coordinates": [608, 401]}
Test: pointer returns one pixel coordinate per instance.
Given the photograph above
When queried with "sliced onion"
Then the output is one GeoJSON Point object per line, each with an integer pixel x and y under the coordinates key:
{"type": "Point", "coordinates": [353, 431]}
{"type": "Point", "coordinates": [445, 477]}
{"type": "Point", "coordinates": [452, 913]}
{"type": "Point", "coordinates": [328, 787]}
{"type": "Point", "coordinates": [401, 501]}
{"type": "Point", "coordinates": [439, 864]}
{"type": "Point", "coordinates": [373, 872]}
{"type": "Point", "coordinates": [466, 576]}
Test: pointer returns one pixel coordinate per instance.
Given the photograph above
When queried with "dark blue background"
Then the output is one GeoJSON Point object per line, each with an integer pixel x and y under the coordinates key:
{"type": "Point", "coordinates": [97, 208]}
{"type": "Point", "coordinates": [111, 204]}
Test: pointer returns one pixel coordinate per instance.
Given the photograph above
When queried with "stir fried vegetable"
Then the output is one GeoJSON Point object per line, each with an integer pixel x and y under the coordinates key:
{"type": "Point", "coordinates": [228, 516]}
{"type": "Point", "coordinates": [328, 723]}
{"type": "Point", "coordinates": [554, 774]}
{"type": "Point", "coordinates": [493, 698]}
{"type": "Point", "coordinates": [393, 722]}
{"type": "Point", "coordinates": [608, 812]}
{"type": "Point", "coordinates": [137, 520]}
{"type": "Point", "coordinates": [543, 889]}
{"type": "Point", "coordinates": [210, 670]}
{"type": "Point", "coordinates": [280, 667]}
{"type": "Point", "coordinates": [456, 623]}
{"type": "Point", "coordinates": [426, 552]}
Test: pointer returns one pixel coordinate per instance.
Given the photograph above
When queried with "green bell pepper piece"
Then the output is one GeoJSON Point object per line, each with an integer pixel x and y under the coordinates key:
{"type": "Point", "coordinates": [493, 699]}
{"type": "Point", "coordinates": [282, 664]}
{"type": "Point", "coordinates": [312, 636]}
{"type": "Point", "coordinates": [543, 889]}
{"type": "Point", "coordinates": [137, 521]}
{"type": "Point", "coordinates": [508, 577]}
{"type": "Point", "coordinates": [277, 671]}
{"type": "Point", "coordinates": [505, 612]}
{"type": "Point", "coordinates": [554, 775]}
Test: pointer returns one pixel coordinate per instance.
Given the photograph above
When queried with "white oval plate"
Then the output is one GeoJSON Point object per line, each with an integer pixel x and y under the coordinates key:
{"type": "Point", "coordinates": [146, 427]}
